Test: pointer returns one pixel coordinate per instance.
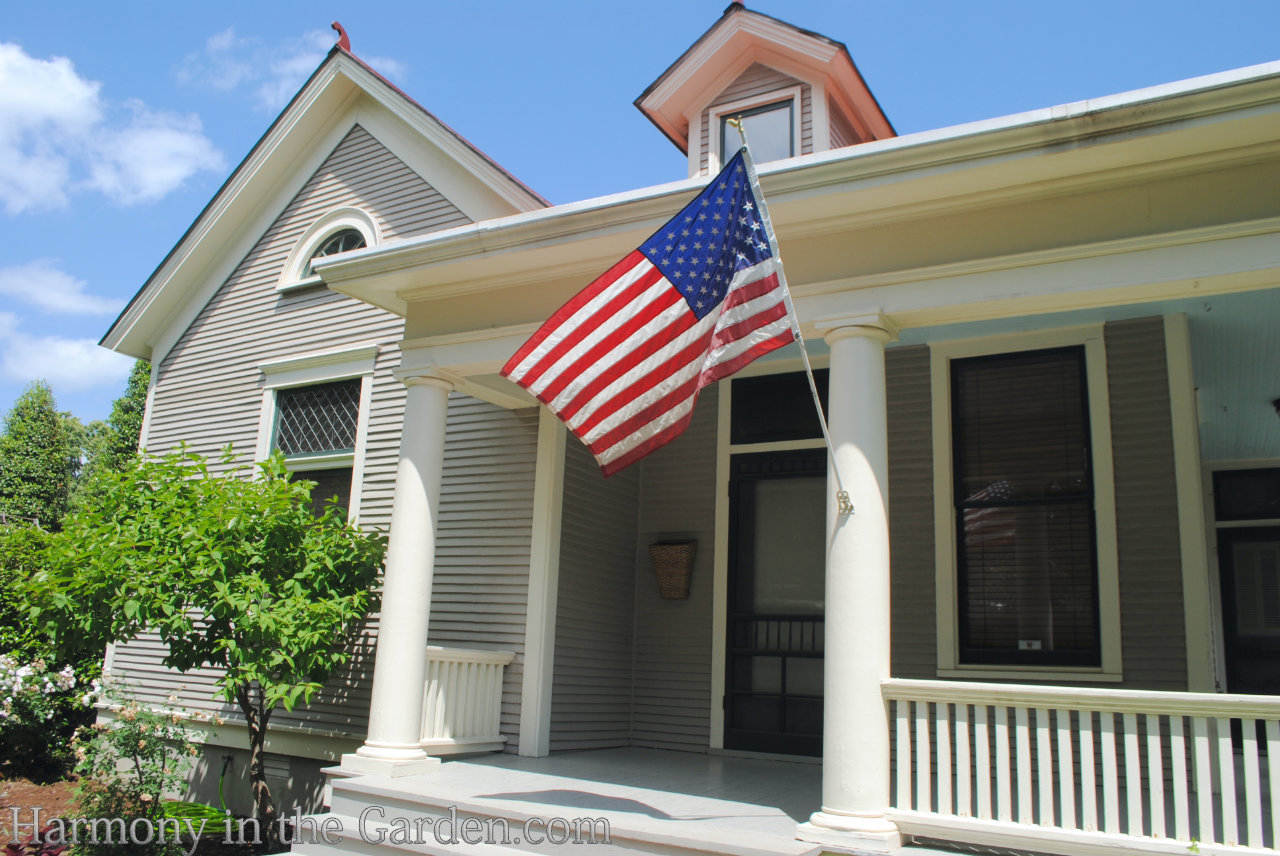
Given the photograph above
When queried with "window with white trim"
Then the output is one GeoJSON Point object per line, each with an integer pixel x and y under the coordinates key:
{"type": "Point", "coordinates": [1026, 550]}
{"type": "Point", "coordinates": [341, 230]}
{"type": "Point", "coordinates": [770, 128]}
{"type": "Point", "coordinates": [318, 424]}
{"type": "Point", "coordinates": [1023, 501]}
{"type": "Point", "coordinates": [771, 121]}
{"type": "Point", "coordinates": [315, 411]}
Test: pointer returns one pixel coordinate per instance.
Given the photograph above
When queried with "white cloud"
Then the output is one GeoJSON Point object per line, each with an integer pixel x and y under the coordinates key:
{"type": "Point", "coordinates": [42, 285]}
{"type": "Point", "coordinates": [70, 364]}
{"type": "Point", "coordinates": [274, 72]}
{"type": "Point", "coordinates": [151, 157]}
{"type": "Point", "coordinates": [8, 323]}
{"type": "Point", "coordinates": [55, 127]}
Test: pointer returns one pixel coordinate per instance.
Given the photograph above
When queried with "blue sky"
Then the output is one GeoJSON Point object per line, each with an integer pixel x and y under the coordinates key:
{"type": "Point", "coordinates": [118, 122]}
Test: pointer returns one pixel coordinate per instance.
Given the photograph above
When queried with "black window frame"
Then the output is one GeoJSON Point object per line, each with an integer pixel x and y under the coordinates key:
{"type": "Point", "coordinates": [789, 102]}
{"type": "Point", "coordinates": [319, 461]}
{"type": "Point", "coordinates": [971, 655]}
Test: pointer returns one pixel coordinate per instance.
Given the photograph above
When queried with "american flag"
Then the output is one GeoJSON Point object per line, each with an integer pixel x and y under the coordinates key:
{"type": "Point", "coordinates": [621, 363]}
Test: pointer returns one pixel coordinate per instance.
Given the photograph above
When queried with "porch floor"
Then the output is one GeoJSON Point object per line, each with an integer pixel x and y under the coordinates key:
{"type": "Point", "coordinates": [656, 801]}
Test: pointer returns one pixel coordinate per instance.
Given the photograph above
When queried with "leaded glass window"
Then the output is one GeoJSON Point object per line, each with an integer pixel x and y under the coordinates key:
{"type": "Point", "coordinates": [320, 419]}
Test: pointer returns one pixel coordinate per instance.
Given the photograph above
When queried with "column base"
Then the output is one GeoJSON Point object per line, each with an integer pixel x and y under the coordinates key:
{"type": "Point", "coordinates": [848, 833]}
{"type": "Point", "coordinates": [374, 765]}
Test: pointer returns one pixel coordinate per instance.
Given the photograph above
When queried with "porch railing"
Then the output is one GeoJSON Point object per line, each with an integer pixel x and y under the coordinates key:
{"type": "Point", "coordinates": [1085, 769]}
{"type": "Point", "coordinates": [462, 700]}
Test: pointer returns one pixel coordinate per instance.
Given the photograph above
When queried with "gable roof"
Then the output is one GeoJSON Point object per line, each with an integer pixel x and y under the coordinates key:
{"type": "Point", "coordinates": [741, 37]}
{"type": "Point", "coordinates": [256, 191]}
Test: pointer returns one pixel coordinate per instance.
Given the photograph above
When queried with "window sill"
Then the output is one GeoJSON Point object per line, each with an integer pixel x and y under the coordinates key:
{"type": "Point", "coordinates": [300, 285]}
{"type": "Point", "coordinates": [320, 462]}
{"type": "Point", "coordinates": [1033, 673]}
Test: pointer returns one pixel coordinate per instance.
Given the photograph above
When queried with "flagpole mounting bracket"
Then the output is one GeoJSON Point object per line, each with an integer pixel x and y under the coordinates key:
{"type": "Point", "coordinates": [843, 504]}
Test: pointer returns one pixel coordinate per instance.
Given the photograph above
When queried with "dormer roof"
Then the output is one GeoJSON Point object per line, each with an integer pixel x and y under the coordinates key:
{"type": "Point", "coordinates": [742, 38]}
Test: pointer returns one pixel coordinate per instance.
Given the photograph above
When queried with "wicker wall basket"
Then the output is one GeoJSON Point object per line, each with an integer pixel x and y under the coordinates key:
{"type": "Point", "coordinates": [673, 564]}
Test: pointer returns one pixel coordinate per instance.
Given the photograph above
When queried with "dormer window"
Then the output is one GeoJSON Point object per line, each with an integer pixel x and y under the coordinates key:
{"type": "Point", "coordinates": [770, 129]}
{"type": "Point", "coordinates": [339, 242]}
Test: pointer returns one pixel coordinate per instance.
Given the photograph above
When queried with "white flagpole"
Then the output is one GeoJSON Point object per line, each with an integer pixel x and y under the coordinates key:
{"type": "Point", "coordinates": [843, 502]}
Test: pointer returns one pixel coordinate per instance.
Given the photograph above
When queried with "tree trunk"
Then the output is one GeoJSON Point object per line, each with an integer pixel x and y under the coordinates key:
{"type": "Point", "coordinates": [256, 715]}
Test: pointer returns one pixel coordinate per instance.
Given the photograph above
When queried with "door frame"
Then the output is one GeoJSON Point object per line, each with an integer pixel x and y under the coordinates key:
{"type": "Point", "coordinates": [720, 562]}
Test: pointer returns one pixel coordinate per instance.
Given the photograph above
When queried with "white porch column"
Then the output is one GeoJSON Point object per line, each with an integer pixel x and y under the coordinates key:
{"type": "Point", "coordinates": [855, 753]}
{"type": "Point", "coordinates": [395, 711]}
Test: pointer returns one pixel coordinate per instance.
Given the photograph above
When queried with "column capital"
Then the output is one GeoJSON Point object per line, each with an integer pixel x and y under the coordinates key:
{"type": "Point", "coordinates": [873, 325]}
{"type": "Point", "coordinates": [428, 376]}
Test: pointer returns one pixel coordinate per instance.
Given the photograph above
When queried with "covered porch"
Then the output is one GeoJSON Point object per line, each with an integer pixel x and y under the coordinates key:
{"type": "Point", "coordinates": [946, 714]}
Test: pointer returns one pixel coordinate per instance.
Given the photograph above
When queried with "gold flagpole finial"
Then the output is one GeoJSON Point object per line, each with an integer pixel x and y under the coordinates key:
{"type": "Point", "coordinates": [736, 124]}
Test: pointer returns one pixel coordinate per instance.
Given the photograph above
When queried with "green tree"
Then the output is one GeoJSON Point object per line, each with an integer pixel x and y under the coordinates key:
{"type": "Point", "coordinates": [232, 571]}
{"type": "Point", "coordinates": [38, 462]}
{"type": "Point", "coordinates": [124, 425]}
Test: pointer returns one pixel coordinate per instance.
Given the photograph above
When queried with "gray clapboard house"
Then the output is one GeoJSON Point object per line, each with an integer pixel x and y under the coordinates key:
{"type": "Point", "coordinates": [1047, 347]}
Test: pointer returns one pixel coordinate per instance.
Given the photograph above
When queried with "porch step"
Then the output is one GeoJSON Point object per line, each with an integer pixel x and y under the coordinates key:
{"type": "Point", "coordinates": [505, 809]}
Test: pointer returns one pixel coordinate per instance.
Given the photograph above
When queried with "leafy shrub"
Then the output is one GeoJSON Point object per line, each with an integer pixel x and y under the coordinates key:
{"type": "Point", "coordinates": [23, 552]}
{"type": "Point", "coordinates": [39, 709]}
{"type": "Point", "coordinates": [41, 702]}
{"type": "Point", "coordinates": [128, 767]}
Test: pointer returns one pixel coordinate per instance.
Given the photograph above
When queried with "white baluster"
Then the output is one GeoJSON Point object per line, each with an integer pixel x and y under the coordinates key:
{"type": "Point", "coordinates": [1044, 758]}
{"type": "Point", "coordinates": [1155, 775]}
{"type": "Point", "coordinates": [1110, 780]}
{"type": "Point", "coordinates": [1204, 777]}
{"type": "Point", "coordinates": [1088, 777]}
{"type": "Point", "coordinates": [1004, 772]}
{"type": "Point", "coordinates": [1252, 791]}
{"type": "Point", "coordinates": [924, 759]}
{"type": "Point", "coordinates": [1273, 777]}
{"type": "Point", "coordinates": [1066, 771]}
{"type": "Point", "coordinates": [942, 725]}
{"type": "Point", "coordinates": [1178, 757]}
{"type": "Point", "coordinates": [963, 765]}
{"type": "Point", "coordinates": [982, 753]}
{"type": "Point", "coordinates": [902, 769]}
{"type": "Point", "coordinates": [1023, 735]}
{"type": "Point", "coordinates": [1133, 773]}
{"type": "Point", "coordinates": [1227, 779]}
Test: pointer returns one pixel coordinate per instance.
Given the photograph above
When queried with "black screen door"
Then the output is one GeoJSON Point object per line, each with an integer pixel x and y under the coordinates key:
{"type": "Point", "coordinates": [777, 549]}
{"type": "Point", "coordinates": [1249, 560]}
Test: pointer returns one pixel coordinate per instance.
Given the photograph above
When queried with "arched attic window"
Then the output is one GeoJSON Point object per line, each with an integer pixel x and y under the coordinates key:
{"type": "Point", "coordinates": [339, 231]}
{"type": "Point", "coordinates": [342, 241]}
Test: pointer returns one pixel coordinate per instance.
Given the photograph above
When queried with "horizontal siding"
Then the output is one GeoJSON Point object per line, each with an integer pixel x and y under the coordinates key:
{"type": "Point", "coordinates": [914, 636]}
{"type": "Point", "coordinates": [1151, 610]}
{"type": "Point", "coordinates": [481, 588]}
{"type": "Point", "coordinates": [672, 698]}
{"type": "Point", "coordinates": [755, 81]}
{"type": "Point", "coordinates": [209, 394]}
{"type": "Point", "coordinates": [592, 674]}
{"type": "Point", "coordinates": [842, 133]}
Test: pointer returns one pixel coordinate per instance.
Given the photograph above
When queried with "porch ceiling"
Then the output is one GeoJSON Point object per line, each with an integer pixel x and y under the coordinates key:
{"type": "Point", "coordinates": [1235, 353]}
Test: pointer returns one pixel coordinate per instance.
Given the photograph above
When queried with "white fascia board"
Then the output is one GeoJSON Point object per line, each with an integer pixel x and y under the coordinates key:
{"type": "Point", "coordinates": [990, 156]}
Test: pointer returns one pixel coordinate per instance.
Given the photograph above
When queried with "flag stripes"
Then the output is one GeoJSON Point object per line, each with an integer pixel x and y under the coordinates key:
{"type": "Point", "coordinates": [623, 361]}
